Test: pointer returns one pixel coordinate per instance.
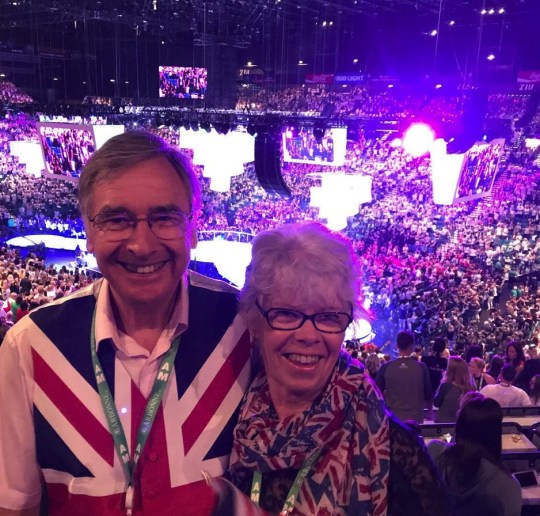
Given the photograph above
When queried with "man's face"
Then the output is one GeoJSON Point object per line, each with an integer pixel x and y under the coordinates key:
{"type": "Point", "coordinates": [142, 269]}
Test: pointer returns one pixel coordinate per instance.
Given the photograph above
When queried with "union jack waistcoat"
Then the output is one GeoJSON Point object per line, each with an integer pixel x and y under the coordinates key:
{"type": "Point", "coordinates": [192, 431]}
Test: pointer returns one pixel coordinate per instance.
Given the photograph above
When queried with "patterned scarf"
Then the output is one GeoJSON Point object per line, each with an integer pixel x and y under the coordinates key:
{"type": "Point", "coordinates": [348, 421]}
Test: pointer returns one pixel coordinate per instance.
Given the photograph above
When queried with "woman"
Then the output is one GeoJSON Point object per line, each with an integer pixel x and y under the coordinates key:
{"type": "Point", "coordinates": [472, 469]}
{"type": "Point", "coordinates": [455, 383]}
{"type": "Point", "coordinates": [373, 364]}
{"type": "Point", "coordinates": [479, 377]}
{"type": "Point", "coordinates": [515, 356]}
{"type": "Point", "coordinates": [495, 365]}
{"type": "Point", "coordinates": [535, 390]}
{"type": "Point", "coordinates": [311, 410]}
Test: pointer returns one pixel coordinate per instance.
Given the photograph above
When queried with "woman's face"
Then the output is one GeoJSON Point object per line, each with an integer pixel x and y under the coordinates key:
{"type": "Point", "coordinates": [299, 362]}
{"type": "Point", "coordinates": [475, 370]}
{"type": "Point", "coordinates": [511, 352]}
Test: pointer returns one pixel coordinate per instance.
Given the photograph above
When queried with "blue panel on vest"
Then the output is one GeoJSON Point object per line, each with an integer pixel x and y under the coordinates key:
{"type": "Point", "coordinates": [68, 325]}
{"type": "Point", "coordinates": [210, 314]}
{"type": "Point", "coordinates": [52, 451]}
{"type": "Point", "coordinates": [224, 442]}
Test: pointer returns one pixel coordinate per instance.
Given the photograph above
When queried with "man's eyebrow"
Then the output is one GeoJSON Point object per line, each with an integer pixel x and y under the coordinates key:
{"type": "Point", "coordinates": [114, 209]}
{"type": "Point", "coordinates": [166, 207]}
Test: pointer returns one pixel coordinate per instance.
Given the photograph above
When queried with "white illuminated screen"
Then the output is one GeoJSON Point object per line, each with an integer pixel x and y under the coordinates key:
{"type": "Point", "coordinates": [30, 154]}
{"type": "Point", "coordinates": [301, 146]}
{"type": "Point", "coordinates": [102, 133]}
{"type": "Point", "coordinates": [339, 197]}
{"type": "Point", "coordinates": [445, 169]}
{"type": "Point", "coordinates": [222, 155]}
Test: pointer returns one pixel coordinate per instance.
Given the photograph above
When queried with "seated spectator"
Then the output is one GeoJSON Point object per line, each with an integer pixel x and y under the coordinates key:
{"type": "Point", "coordinates": [478, 483]}
{"type": "Point", "coordinates": [495, 365]}
{"type": "Point", "coordinates": [515, 355]}
{"type": "Point", "coordinates": [455, 383]}
{"type": "Point", "coordinates": [504, 392]}
{"type": "Point", "coordinates": [535, 390]}
{"type": "Point", "coordinates": [479, 377]}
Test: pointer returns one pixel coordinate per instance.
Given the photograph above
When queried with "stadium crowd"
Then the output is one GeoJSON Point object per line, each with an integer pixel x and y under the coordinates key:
{"type": "Point", "coordinates": [464, 272]}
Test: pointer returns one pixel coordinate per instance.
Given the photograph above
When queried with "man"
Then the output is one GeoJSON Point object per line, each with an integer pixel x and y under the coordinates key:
{"type": "Point", "coordinates": [504, 392]}
{"type": "Point", "coordinates": [90, 386]}
{"type": "Point", "coordinates": [26, 284]}
{"type": "Point", "coordinates": [405, 382]}
{"type": "Point", "coordinates": [436, 363]}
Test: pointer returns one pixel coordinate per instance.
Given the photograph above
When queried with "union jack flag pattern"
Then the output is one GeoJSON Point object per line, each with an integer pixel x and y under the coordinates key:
{"type": "Point", "coordinates": [192, 431]}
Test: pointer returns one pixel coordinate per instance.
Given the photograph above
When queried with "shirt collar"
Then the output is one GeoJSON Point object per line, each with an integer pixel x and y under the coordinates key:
{"type": "Point", "coordinates": [106, 327]}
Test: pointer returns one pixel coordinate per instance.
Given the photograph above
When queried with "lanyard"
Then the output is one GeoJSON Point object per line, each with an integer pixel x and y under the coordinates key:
{"type": "Point", "coordinates": [480, 382]}
{"type": "Point", "coordinates": [295, 488]}
{"type": "Point", "coordinates": [111, 414]}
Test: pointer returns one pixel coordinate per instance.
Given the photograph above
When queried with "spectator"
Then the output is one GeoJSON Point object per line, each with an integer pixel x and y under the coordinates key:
{"type": "Point", "coordinates": [478, 376]}
{"type": "Point", "coordinates": [405, 382]}
{"type": "Point", "coordinates": [472, 468]}
{"type": "Point", "coordinates": [436, 363]}
{"type": "Point", "coordinates": [455, 383]}
{"type": "Point", "coordinates": [504, 392]}
{"type": "Point", "coordinates": [535, 390]}
{"type": "Point", "coordinates": [515, 356]}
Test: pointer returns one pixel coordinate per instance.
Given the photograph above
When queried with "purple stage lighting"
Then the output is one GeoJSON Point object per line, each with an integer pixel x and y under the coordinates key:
{"type": "Point", "coordinates": [418, 139]}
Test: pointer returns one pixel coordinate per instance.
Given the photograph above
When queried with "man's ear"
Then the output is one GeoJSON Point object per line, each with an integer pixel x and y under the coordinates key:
{"type": "Point", "coordinates": [194, 239]}
{"type": "Point", "coordinates": [89, 230]}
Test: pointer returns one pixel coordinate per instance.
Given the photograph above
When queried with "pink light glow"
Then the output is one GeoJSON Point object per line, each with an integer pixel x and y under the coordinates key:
{"type": "Point", "coordinates": [418, 139]}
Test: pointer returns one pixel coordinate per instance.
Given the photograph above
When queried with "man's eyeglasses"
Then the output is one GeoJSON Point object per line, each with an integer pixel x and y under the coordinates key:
{"type": "Point", "coordinates": [166, 225]}
{"type": "Point", "coordinates": [288, 319]}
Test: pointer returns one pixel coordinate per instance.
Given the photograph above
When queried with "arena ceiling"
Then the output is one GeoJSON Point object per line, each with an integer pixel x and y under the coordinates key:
{"type": "Point", "coordinates": [239, 17]}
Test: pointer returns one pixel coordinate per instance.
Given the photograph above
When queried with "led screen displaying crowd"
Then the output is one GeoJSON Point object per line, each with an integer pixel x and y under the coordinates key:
{"type": "Point", "coordinates": [66, 149]}
{"type": "Point", "coordinates": [302, 146]}
{"type": "Point", "coordinates": [182, 82]}
{"type": "Point", "coordinates": [478, 171]}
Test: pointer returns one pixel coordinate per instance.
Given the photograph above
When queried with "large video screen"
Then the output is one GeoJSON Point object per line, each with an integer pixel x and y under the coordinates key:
{"type": "Point", "coordinates": [479, 169]}
{"type": "Point", "coordinates": [302, 146]}
{"type": "Point", "coordinates": [66, 148]}
{"type": "Point", "coordinates": [182, 82]}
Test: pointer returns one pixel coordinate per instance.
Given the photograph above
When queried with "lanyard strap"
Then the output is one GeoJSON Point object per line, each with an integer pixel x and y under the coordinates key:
{"type": "Point", "coordinates": [111, 414]}
{"type": "Point", "coordinates": [295, 488]}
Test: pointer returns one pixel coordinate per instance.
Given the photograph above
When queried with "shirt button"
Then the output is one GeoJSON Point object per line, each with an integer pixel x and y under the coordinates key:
{"type": "Point", "coordinates": [152, 456]}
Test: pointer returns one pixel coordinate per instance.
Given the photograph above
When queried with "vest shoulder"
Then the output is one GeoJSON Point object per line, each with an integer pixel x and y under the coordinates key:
{"type": "Point", "coordinates": [197, 280]}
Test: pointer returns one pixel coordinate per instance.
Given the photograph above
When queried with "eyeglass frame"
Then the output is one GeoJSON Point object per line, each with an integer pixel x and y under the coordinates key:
{"type": "Point", "coordinates": [136, 220]}
{"type": "Point", "coordinates": [305, 317]}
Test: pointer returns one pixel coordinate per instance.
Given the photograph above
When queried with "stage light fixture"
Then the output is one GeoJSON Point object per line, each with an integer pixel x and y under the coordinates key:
{"type": "Point", "coordinates": [418, 139]}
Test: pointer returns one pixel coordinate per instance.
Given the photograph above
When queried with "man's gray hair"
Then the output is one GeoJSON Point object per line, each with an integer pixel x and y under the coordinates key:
{"type": "Point", "coordinates": [127, 150]}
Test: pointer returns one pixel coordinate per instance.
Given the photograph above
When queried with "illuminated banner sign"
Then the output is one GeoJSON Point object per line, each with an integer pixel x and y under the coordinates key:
{"type": "Point", "coordinates": [319, 78]}
{"type": "Point", "coordinates": [349, 78]}
{"type": "Point", "coordinates": [528, 81]}
{"type": "Point", "coordinates": [529, 77]}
